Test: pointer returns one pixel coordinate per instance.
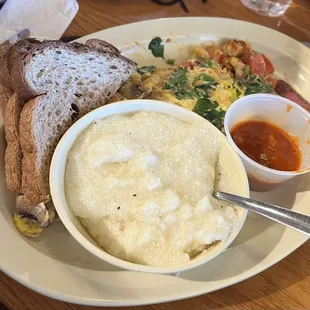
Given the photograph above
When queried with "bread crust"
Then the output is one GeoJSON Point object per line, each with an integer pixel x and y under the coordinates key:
{"type": "Point", "coordinates": [5, 95]}
{"type": "Point", "coordinates": [13, 153]}
{"type": "Point", "coordinates": [5, 77]}
{"type": "Point", "coordinates": [103, 46]}
{"type": "Point", "coordinates": [32, 187]}
{"type": "Point", "coordinates": [11, 106]}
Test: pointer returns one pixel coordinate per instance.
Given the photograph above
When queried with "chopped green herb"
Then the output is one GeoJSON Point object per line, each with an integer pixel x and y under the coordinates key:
{"type": "Point", "coordinates": [157, 47]}
{"type": "Point", "coordinates": [207, 86]}
{"type": "Point", "coordinates": [208, 78]}
{"type": "Point", "coordinates": [210, 111]}
{"type": "Point", "coordinates": [208, 63]}
{"type": "Point", "coordinates": [205, 77]}
{"type": "Point", "coordinates": [146, 69]}
{"type": "Point", "coordinates": [255, 84]}
{"type": "Point", "coordinates": [179, 84]}
{"type": "Point", "coordinates": [170, 61]}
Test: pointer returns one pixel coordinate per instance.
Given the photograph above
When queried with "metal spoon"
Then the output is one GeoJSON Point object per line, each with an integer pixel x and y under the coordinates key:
{"type": "Point", "coordinates": [298, 221]}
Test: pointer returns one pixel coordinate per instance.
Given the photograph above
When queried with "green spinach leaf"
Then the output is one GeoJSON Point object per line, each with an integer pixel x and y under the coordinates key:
{"type": "Point", "coordinates": [179, 84]}
{"type": "Point", "coordinates": [157, 47]}
{"type": "Point", "coordinates": [254, 84]}
{"type": "Point", "coordinates": [205, 88]}
{"type": "Point", "coordinates": [205, 77]}
{"type": "Point", "coordinates": [146, 69]}
{"type": "Point", "coordinates": [207, 64]}
{"type": "Point", "coordinates": [210, 111]}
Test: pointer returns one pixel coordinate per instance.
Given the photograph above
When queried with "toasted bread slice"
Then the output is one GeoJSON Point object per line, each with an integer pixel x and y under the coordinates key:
{"type": "Point", "coordinates": [69, 80]}
{"type": "Point", "coordinates": [103, 46]}
{"type": "Point", "coordinates": [13, 153]}
{"type": "Point", "coordinates": [55, 65]}
{"type": "Point", "coordinates": [5, 95]}
{"type": "Point", "coordinates": [19, 49]}
{"type": "Point", "coordinates": [11, 112]}
{"type": "Point", "coordinates": [5, 77]}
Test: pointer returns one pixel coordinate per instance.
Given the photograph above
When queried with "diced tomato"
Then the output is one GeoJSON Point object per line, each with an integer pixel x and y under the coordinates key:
{"type": "Point", "coordinates": [257, 64]}
{"type": "Point", "coordinates": [187, 64]}
{"type": "Point", "coordinates": [272, 81]}
{"type": "Point", "coordinates": [269, 66]}
{"type": "Point", "coordinates": [260, 64]}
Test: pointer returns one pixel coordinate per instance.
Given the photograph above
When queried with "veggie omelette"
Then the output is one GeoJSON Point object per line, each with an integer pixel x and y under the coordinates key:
{"type": "Point", "coordinates": [209, 82]}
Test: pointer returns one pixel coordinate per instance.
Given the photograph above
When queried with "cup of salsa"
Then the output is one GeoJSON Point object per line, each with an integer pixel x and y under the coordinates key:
{"type": "Point", "coordinates": [272, 136]}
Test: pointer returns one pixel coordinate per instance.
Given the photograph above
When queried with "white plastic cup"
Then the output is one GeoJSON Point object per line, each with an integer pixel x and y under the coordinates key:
{"type": "Point", "coordinates": [281, 112]}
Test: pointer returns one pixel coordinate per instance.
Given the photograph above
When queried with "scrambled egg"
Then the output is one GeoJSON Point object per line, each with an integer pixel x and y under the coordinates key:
{"type": "Point", "coordinates": [158, 84]}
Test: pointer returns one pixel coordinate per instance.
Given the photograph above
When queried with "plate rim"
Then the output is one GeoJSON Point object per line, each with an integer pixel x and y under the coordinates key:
{"type": "Point", "coordinates": [115, 303]}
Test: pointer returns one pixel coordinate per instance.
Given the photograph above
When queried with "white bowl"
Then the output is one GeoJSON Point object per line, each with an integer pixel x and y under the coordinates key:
{"type": "Point", "coordinates": [229, 159]}
{"type": "Point", "coordinates": [277, 110]}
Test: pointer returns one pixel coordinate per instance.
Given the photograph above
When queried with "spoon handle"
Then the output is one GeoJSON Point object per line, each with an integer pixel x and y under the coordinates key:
{"type": "Point", "coordinates": [298, 221]}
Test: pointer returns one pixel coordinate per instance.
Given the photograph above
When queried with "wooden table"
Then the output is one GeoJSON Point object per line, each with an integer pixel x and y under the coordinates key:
{"type": "Point", "coordinates": [285, 285]}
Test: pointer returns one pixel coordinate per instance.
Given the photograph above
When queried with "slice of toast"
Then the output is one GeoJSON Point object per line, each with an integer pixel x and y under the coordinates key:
{"type": "Point", "coordinates": [55, 65]}
{"type": "Point", "coordinates": [5, 94]}
{"type": "Point", "coordinates": [13, 153]}
{"type": "Point", "coordinates": [64, 82]}
{"type": "Point", "coordinates": [11, 105]}
{"type": "Point", "coordinates": [103, 46]}
{"type": "Point", "coordinates": [19, 49]}
{"type": "Point", "coordinates": [5, 77]}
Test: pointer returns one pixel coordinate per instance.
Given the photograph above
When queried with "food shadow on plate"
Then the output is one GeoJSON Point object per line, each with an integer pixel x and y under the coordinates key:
{"type": "Point", "coordinates": [253, 232]}
{"type": "Point", "coordinates": [56, 242]}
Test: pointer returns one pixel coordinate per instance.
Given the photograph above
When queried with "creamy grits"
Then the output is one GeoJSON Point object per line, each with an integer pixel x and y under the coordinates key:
{"type": "Point", "coordinates": [142, 185]}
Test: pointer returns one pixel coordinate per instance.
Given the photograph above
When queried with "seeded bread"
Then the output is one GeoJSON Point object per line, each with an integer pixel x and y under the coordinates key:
{"type": "Point", "coordinates": [13, 153]}
{"type": "Point", "coordinates": [63, 82]}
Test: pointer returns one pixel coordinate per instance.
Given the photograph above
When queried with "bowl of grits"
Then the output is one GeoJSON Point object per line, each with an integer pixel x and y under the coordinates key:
{"type": "Point", "coordinates": [132, 182]}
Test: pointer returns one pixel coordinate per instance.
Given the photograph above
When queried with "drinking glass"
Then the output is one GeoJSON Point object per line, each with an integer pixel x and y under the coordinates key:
{"type": "Point", "coordinates": [272, 8]}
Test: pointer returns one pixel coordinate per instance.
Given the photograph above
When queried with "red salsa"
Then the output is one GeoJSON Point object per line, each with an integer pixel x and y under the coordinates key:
{"type": "Point", "coordinates": [268, 145]}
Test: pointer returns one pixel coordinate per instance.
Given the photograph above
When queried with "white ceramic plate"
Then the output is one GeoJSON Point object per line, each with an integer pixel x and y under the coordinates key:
{"type": "Point", "coordinates": [57, 266]}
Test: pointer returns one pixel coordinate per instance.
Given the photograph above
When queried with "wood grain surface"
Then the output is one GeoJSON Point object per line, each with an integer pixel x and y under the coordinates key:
{"type": "Point", "coordinates": [285, 285]}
